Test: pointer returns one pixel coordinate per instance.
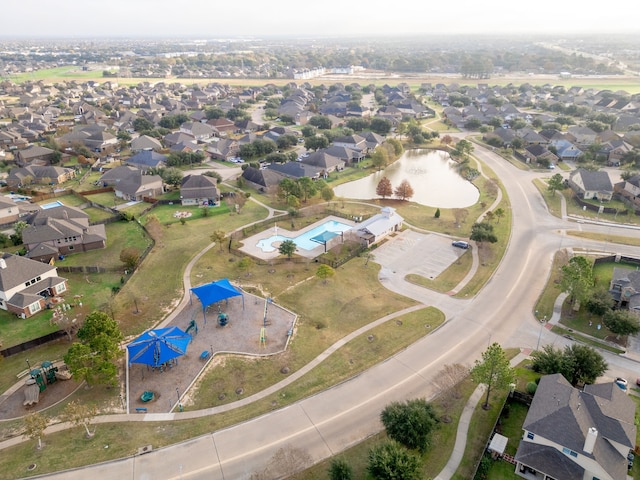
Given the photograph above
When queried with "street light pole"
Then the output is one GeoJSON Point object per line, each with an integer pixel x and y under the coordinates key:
{"type": "Point", "coordinates": [542, 324]}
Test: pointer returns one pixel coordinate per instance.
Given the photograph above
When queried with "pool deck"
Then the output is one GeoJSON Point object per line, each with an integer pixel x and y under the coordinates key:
{"type": "Point", "coordinates": [250, 243]}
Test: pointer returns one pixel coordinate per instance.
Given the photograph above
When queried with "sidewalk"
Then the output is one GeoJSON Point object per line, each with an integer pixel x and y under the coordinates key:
{"type": "Point", "coordinates": [457, 454]}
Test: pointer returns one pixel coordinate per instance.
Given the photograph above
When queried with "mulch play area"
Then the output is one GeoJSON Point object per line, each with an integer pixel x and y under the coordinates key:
{"type": "Point", "coordinates": [242, 334]}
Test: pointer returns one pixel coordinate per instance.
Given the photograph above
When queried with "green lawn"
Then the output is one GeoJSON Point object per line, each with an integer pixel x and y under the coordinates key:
{"type": "Point", "coordinates": [15, 330]}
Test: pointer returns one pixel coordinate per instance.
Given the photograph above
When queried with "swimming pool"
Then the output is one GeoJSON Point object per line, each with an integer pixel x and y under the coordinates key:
{"type": "Point", "coordinates": [303, 240]}
{"type": "Point", "coordinates": [55, 204]}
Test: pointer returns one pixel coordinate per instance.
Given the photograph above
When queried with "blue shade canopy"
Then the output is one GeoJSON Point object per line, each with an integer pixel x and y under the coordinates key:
{"type": "Point", "coordinates": [156, 347]}
{"type": "Point", "coordinates": [215, 291]}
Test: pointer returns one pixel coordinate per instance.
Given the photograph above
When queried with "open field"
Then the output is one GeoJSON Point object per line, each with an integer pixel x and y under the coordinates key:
{"type": "Point", "coordinates": [630, 84]}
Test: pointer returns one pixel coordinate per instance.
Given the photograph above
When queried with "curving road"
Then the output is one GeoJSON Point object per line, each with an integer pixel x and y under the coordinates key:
{"type": "Point", "coordinates": [335, 419]}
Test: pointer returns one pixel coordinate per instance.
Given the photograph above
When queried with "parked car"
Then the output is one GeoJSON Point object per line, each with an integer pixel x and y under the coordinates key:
{"type": "Point", "coordinates": [460, 244]}
{"type": "Point", "coordinates": [622, 383]}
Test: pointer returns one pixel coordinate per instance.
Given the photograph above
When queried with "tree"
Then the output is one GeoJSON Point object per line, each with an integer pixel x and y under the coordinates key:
{"type": "Point", "coordinates": [381, 126]}
{"type": "Point", "coordinates": [141, 123]}
{"type": "Point", "coordinates": [34, 426]}
{"type": "Point", "coordinates": [577, 279]}
{"type": "Point", "coordinates": [410, 423]}
{"type": "Point", "coordinates": [489, 216]}
{"type": "Point", "coordinates": [307, 187]}
{"type": "Point", "coordinates": [384, 189]}
{"type": "Point", "coordinates": [339, 469]}
{"type": "Point", "coordinates": [80, 414]}
{"type": "Point", "coordinates": [130, 256]}
{"type": "Point", "coordinates": [600, 301]}
{"type": "Point", "coordinates": [483, 232]}
{"type": "Point", "coordinates": [577, 363]}
{"type": "Point", "coordinates": [172, 176]}
{"type": "Point", "coordinates": [493, 370]}
{"type": "Point", "coordinates": [437, 214]}
{"type": "Point", "coordinates": [449, 378]}
{"type": "Point", "coordinates": [288, 248]}
{"type": "Point", "coordinates": [390, 461]}
{"type": "Point", "coordinates": [317, 142]}
{"type": "Point", "coordinates": [460, 215]}
{"type": "Point", "coordinates": [218, 237]}
{"type": "Point", "coordinates": [499, 213]}
{"type": "Point", "coordinates": [327, 193]}
{"type": "Point", "coordinates": [556, 182]}
{"type": "Point", "coordinates": [621, 322]}
{"type": "Point", "coordinates": [380, 158]}
{"type": "Point", "coordinates": [324, 272]}
{"type": "Point", "coordinates": [463, 148]}
{"type": "Point", "coordinates": [245, 265]}
{"type": "Point", "coordinates": [92, 359]}
{"type": "Point", "coordinates": [404, 190]}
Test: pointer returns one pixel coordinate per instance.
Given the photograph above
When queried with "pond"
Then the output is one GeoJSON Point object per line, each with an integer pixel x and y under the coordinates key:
{"type": "Point", "coordinates": [432, 175]}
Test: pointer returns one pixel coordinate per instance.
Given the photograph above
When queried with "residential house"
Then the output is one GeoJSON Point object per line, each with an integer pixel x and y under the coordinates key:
{"type": "Point", "coordinates": [61, 230]}
{"type": "Point", "coordinates": [296, 170]}
{"type": "Point", "coordinates": [573, 434]}
{"type": "Point", "coordinates": [147, 159]}
{"type": "Point", "coordinates": [588, 184]}
{"type": "Point", "coordinates": [625, 289]}
{"type": "Point", "coordinates": [222, 126]}
{"type": "Point", "coordinates": [355, 142]}
{"type": "Point", "coordinates": [131, 184]}
{"type": "Point", "coordinates": [25, 285]}
{"type": "Point", "coordinates": [200, 131]}
{"type": "Point", "coordinates": [39, 174]}
{"type": "Point", "coordinates": [540, 154]}
{"type": "Point", "coordinates": [145, 142]}
{"type": "Point", "coordinates": [378, 227]}
{"type": "Point", "coordinates": [264, 180]}
{"type": "Point", "coordinates": [199, 190]}
{"type": "Point", "coordinates": [321, 159]}
{"type": "Point", "coordinates": [349, 155]}
{"type": "Point", "coordinates": [629, 189]}
{"type": "Point", "coordinates": [9, 211]}
{"type": "Point", "coordinates": [34, 155]}
{"type": "Point", "coordinates": [584, 135]}
{"type": "Point", "coordinates": [223, 149]}
{"type": "Point", "coordinates": [566, 150]}
{"type": "Point", "coordinates": [94, 137]}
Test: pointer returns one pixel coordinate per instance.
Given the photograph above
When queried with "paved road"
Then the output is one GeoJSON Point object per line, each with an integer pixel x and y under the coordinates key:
{"type": "Point", "coordinates": [333, 420]}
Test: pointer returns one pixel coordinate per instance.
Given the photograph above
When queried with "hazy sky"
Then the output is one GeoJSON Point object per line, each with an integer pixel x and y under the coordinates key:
{"type": "Point", "coordinates": [224, 18]}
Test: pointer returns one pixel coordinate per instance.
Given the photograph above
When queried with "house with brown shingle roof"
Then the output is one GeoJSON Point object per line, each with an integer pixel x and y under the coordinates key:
{"type": "Point", "coordinates": [574, 434]}
{"type": "Point", "coordinates": [59, 231]}
{"type": "Point", "coordinates": [26, 284]}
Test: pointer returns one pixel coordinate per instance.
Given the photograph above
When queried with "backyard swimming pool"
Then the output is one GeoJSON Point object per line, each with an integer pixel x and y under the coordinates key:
{"type": "Point", "coordinates": [55, 204]}
{"type": "Point", "coordinates": [305, 240]}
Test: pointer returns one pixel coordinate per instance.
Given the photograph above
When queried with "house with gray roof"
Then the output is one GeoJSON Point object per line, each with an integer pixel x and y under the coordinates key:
{"type": "Point", "coordinates": [625, 289]}
{"type": "Point", "coordinates": [25, 285]}
{"type": "Point", "coordinates": [147, 159]}
{"type": "Point", "coordinates": [199, 190]}
{"type": "Point", "coordinates": [321, 159]}
{"type": "Point", "coordinates": [40, 174]}
{"type": "Point", "coordinates": [262, 179]}
{"type": "Point", "coordinates": [629, 189]}
{"type": "Point", "coordinates": [62, 230]}
{"type": "Point", "coordinates": [574, 434]}
{"type": "Point", "coordinates": [145, 142]}
{"type": "Point", "coordinates": [34, 155]}
{"type": "Point", "coordinates": [131, 184]}
{"type": "Point", "coordinates": [588, 184]}
{"type": "Point", "coordinates": [296, 170]}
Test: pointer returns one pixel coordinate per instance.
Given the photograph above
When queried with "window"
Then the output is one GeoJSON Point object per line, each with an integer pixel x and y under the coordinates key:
{"type": "Point", "coordinates": [530, 435]}
{"type": "Point", "coordinates": [61, 288]}
{"type": "Point", "coordinates": [34, 307]}
{"type": "Point", "coordinates": [567, 451]}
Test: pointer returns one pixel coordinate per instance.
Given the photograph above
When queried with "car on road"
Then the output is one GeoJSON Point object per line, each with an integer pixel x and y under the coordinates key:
{"type": "Point", "coordinates": [460, 244]}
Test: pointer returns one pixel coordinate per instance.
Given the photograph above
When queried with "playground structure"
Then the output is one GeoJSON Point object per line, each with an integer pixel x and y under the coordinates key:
{"type": "Point", "coordinates": [193, 326]}
{"type": "Point", "coordinates": [39, 378]}
{"type": "Point", "coordinates": [223, 318]}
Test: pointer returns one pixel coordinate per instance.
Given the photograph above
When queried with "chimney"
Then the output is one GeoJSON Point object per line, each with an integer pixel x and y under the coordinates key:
{"type": "Point", "coordinates": [590, 441]}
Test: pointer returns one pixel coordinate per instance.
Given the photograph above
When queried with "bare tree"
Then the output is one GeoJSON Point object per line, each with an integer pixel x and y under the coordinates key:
{"type": "Point", "coordinates": [448, 381]}
{"type": "Point", "coordinates": [460, 214]}
{"type": "Point", "coordinates": [81, 414]}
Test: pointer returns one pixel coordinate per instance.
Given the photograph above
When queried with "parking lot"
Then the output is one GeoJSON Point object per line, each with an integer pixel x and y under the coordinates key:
{"type": "Point", "coordinates": [424, 254]}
